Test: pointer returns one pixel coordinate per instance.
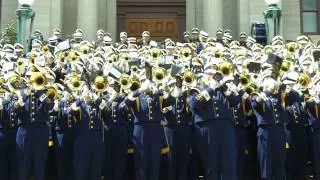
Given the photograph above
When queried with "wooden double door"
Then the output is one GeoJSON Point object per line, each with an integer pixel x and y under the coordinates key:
{"type": "Point", "coordinates": [162, 18]}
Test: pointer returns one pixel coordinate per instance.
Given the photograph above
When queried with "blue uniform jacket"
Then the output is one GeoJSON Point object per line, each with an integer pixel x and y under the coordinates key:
{"type": "Point", "coordinates": [8, 115]}
{"type": "Point", "coordinates": [145, 107]}
{"type": "Point", "coordinates": [180, 112]}
{"type": "Point", "coordinates": [239, 108]}
{"type": "Point", "coordinates": [90, 116]}
{"type": "Point", "coordinates": [313, 112]}
{"type": "Point", "coordinates": [115, 114]}
{"type": "Point", "coordinates": [65, 117]}
{"type": "Point", "coordinates": [35, 110]}
{"type": "Point", "coordinates": [270, 111]}
{"type": "Point", "coordinates": [295, 108]}
{"type": "Point", "coordinates": [216, 108]}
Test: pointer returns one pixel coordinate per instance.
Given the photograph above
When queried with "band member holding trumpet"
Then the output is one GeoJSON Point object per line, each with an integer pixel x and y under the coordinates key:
{"type": "Point", "coordinates": [89, 148]}
{"type": "Point", "coordinates": [33, 106]}
{"type": "Point", "coordinates": [115, 133]}
{"type": "Point", "coordinates": [213, 122]}
{"type": "Point", "coordinates": [312, 108]}
{"type": "Point", "coordinates": [8, 131]}
{"type": "Point", "coordinates": [178, 121]}
{"type": "Point", "coordinates": [146, 103]}
{"type": "Point", "coordinates": [271, 117]}
{"type": "Point", "coordinates": [65, 135]}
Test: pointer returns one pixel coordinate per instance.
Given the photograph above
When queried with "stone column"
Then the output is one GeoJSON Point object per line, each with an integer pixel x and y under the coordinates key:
{"type": "Point", "coordinates": [88, 18]}
{"type": "Point", "coordinates": [56, 11]}
{"type": "Point", "coordinates": [244, 16]}
{"type": "Point", "coordinates": [190, 14]}
{"type": "Point", "coordinates": [212, 16]}
{"type": "Point", "coordinates": [112, 19]}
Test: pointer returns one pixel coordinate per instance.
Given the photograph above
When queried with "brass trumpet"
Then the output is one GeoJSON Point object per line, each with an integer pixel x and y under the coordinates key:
{"type": "Point", "coordinates": [244, 79]}
{"type": "Point", "coordinates": [37, 80]}
{"type": "Point", "coordinates": [189, 78]}
{"type": "Point", "coordinates": [226, 68]}
{"type": "Point", "coordinates": [100, 84]}
{"type": "Point", "coordinates": [304, 80]}
{"type": "Point", "coordinates": [268, 49]}
{"type": "Point", "coordinates": [75, 83]}
{"type": "Point", "coordinates": [135, 83]}
{"type": "Point", "coordinates": [125, 82]}
{"type": "Point", "coordinates": [155, 53]}
{"type": "Point", "coordinates": [292, 47]}
{"type": "Point", "coordinates": [159, 74]}
{"type": "Point", "coordinates": [186, 54]}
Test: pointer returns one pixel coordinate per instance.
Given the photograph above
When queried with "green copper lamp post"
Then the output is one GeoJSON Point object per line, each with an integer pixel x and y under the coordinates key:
{"type": "Point", "coordinates": [272, 15]}
{"type": "Point", "coordinates": [23, 14]}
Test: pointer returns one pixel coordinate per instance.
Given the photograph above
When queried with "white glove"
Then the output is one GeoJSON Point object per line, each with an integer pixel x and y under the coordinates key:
{"type": "Point", "coordinates": [245, 96]}
{"type": "Point", "coordinates": [263, 96]}
{"type": "Point", "coordinates": [213, 84]}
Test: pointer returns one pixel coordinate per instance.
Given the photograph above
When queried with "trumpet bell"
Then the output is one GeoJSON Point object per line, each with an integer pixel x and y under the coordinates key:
{"type": "Point", "coordinates": [100, 84]}
{"type": "Point", "coordinates": [186, 54]}
{"type": "Point", "coordinates": [304, 80]}
{"type": "Point", "coordinates": [226, 68]}
{"type": "Point", "coordinates": [159, 74]}
{"type": "Point", "coordinates": [135, 83]}
{"type": "Point", "coordinates": [125, 81]}
{"type": "Point", "coordinates": [244, 79]}
{"type": "Point", "coordinates": [155, 53]}
{"type": "Point", "coordinates": [38, 80]}
{"type": "Point", "coordinates": [189, 78]}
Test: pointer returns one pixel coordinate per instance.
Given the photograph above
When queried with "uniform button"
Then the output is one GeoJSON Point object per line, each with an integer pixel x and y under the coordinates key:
{"type": "Point", "coordinates": [150, 107]}
{"type": "Point", "coordinates": [277, 115]}
{"type": "Point", "coordinates": [12, 120]}
{"type": "Point", "coordinates": [275, 110]}
{"type": "Point", "coordinates": [33, 119]}
{"type": "Point", "coordinates": [32, 113]}
{"type": "Point", "coordinates": [237, 122]}
{"type": "Point", "coordinates": [114, 121]}
{"type": "Point", "coordinates": [216, 109]}
{"type": "Point", "coordinates": [178, 116]}
{"type": "Point", "coordinates": [114, 116]}
{"type": "Point", "coordinates": [129, 115]}
{"type": "Point", "coordinates": [150, 118]}
{"type": "Point", "coordinates": [235, 111]}
{"type": "Point", "coordinates": [277, 121]}
{"type": "Point", "coordinates": [91, 127]}
{"type": "Point", "coordinates": [214, 102]}
{"type": "Point", "coordinates": [69, 126]}
{"type": "Point", "coordinates": [91, 122]}
{"type": "Point", "coordinates": [179, 122]}
{"type": "Point", "coordinates": [296, 122]}
{"type": "Point", "coordinates": [12, 114]}
{"type": "Point", "coordinates": [91, 117]}
{"type": "Point", "coordinates": [217, 115]}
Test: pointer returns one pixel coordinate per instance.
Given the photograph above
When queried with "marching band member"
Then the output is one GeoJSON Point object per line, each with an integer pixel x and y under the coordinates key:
{"type": "Point", "coordinates": [312, 107]}
{"type": "Point", "coordinates": [33, 106]}
{"type": "Point", "coordinates": [296, 127]}
{"type": "Point", "coordinates": [216, 135]}
{"type": "Point", "coordinates": [116, 134]}
{"type": "Point", "coordinates": [271, 118]}
{"type": "Point", "coordinates": [178, 123]}
{"type": "Point", "coordinates": [65, 135]}
{"type": "Point", "coordinates": [8, 131]}
{"type": "Point", "coordinates": [88, 148]}
{"type": "Point", "coordinates": [146, 103]}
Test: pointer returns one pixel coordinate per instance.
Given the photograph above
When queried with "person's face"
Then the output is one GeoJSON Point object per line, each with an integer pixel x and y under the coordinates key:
{"type": "Point", "coordinates": [195, 35]}
{"type": "Point", "coordinates": [187, 37]}
{"type": "Point", "coordinates": [219, 36]}
{"type": "Point", "coordinates": [243, 39]}
{"type": "Point", "coordinates": [123, 39]}
{"type": "Point", "coordinates": [100, 37]}
{"type": "Point", "coordinates": [145, 38]}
